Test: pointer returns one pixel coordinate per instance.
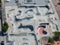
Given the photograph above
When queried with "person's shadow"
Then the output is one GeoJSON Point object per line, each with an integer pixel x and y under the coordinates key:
{"type": "Point", "coordinates": [0, 33]}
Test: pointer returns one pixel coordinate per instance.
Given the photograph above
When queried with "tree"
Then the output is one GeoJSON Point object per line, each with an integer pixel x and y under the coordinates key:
{"type": "Point", "coordinates": [5, 27]}
{"type": "Point", "coordinates": [0, 1]}
{"type": "Point", "coordinates": [57, 34]}
{"type": "Point", "coordinates": [50, 40]}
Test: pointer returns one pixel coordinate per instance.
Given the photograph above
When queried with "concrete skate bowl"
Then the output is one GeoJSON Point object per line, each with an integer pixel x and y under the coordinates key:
{"type": "Point", "coordinates": [25, 43]}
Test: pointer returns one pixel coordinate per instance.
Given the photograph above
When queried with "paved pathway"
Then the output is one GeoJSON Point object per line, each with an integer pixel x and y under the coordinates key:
{"type": "Point", "coordinates": [2, 38]}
